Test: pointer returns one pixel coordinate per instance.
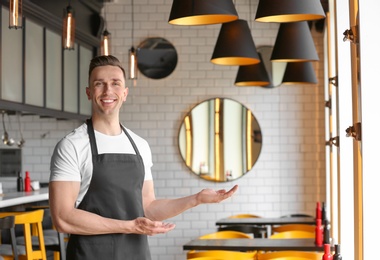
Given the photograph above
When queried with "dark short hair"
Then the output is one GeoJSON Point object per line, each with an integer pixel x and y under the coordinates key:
{"type": "Point", "coordinates": [104, 61]}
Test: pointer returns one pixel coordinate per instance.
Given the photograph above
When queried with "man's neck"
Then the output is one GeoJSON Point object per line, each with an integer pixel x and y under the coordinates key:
{"type": "Point", "coordinates": [105, 126]}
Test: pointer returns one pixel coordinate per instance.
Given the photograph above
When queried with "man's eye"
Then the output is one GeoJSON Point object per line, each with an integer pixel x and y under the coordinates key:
{"type": "Point", "coordinates": [98, 83]}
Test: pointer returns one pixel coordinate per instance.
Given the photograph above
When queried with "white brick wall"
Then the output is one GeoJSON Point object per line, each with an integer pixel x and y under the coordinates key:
{"type": "Point", "coordinates": [290, 173]}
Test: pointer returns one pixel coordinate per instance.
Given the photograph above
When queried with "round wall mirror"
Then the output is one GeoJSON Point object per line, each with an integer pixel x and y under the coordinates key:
{"type": "Point", "coordinates": [275, 70]}
{"type": "Point", "coordinates": [220, 140]}
{"type": "Point", "coordinates": [156, 58]}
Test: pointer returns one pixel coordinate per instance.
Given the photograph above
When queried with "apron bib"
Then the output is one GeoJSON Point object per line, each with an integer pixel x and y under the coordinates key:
{"type": "Point", "coordinates": [115, 192]}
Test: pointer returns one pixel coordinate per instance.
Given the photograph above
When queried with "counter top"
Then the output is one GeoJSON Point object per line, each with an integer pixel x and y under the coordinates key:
{"type": "Point", "coordinates": [22, 197]}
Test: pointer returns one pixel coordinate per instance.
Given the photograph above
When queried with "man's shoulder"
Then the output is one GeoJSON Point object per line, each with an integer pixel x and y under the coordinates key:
{"type": "Point", "coordinates": [77, 136]}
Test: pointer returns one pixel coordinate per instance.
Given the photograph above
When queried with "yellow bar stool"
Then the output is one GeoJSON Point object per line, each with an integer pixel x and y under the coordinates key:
{"type": "Point", "coordinates": [29, 220]}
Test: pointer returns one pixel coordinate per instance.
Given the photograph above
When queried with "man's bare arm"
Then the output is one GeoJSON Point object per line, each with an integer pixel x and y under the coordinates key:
{"type": "Point", "coordinates": [68, 219]}
{"type": "Point", "coordinates": [161, 209]}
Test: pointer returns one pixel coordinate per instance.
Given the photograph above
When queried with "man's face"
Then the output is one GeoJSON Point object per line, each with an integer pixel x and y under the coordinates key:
{"type": "Point", "coordinates": [107, 90]}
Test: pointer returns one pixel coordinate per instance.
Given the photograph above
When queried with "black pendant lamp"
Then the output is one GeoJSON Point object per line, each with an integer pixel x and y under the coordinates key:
{"type": "Point", "coordinates": [283, 11]}
{"type": "Point", "coordinates": [299, 73]}
{"type": "Point", "coordinates": [202, 12]}
{"type": "Point", "coordinates": [235, 45]}
{"type": "Point", "coordinates": [253, 75]}
{"type": "Point", "coordinates": [294, 43]}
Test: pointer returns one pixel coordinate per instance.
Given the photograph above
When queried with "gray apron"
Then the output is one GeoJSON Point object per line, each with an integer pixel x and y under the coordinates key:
{"type": "Point", "coordinates": [115, 192]}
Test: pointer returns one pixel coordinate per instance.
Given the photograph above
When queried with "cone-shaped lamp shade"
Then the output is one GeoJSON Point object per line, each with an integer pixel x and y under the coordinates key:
{"type": "Point", "coordinates": [284, 11]}
{"type": "Point", "coordinates": [294, 43]}
{"type": "Point", "coordinates": [202, 12]}
{"type": "Point", "coordinates": [235, 45]}
{"type": "Point", "coordinates": [299, 73]}
{"type": "Point", "coordinates": [253, 75]}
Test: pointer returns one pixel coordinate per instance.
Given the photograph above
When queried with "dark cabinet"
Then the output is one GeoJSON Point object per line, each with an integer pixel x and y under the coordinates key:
{"type": "Point", "coordinates": [37, 75]}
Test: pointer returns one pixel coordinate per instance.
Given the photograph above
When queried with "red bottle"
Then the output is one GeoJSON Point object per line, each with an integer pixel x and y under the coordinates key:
{"type": "Point", "coordinates": [319, 233]}
{"type": "Point", "coordinates": [318, 211]}
{"type": "Point", "coordinates": [27, 186]}
{"type": "Point", "coordinates": [327, 255]}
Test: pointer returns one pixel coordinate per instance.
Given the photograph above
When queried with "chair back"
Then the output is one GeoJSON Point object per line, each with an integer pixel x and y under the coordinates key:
{"type": "Point", "coordinates": [292, 227]}
{"type": "Point", "coordinates": [289, 255]}
{"type": "Point", "coordinates": [297, 215]}
{"type": "Point", "coordinates": [293, 234]}
{"type": "Point", "coordinates": [8, 223]}
{"type": "Point", "coordinates": [226, 234]}
{"type": "Point", "coordinates": [30, 220]}
{"type": "Point", "coordinates": [206, 258]}
{"type": "Point", "coordinates": [223, 254]}
{"type": "Point", "coordinates": [244, 216]}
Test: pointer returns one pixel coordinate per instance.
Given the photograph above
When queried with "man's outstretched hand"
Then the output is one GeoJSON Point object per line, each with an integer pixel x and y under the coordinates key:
{"type": "Point", "coordinates": [215, 196]}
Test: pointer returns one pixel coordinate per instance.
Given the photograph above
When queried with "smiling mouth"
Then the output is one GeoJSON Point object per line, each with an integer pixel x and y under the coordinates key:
{"type": "Point", "coordinates": [108, 101]}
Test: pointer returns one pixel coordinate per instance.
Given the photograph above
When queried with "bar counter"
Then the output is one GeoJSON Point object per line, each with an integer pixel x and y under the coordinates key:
{"type": "Point", "coordinates": [23, 197]}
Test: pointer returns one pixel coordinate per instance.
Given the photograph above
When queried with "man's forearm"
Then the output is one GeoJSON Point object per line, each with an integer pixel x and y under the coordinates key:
{"type": "Point", "coordinates": [162, 209]}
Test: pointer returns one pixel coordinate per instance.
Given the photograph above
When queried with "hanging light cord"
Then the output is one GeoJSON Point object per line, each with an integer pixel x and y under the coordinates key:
{"type": "Point", "coordinates": [105, 15]}
{"type": "Point", "coordinates": [132, 32]}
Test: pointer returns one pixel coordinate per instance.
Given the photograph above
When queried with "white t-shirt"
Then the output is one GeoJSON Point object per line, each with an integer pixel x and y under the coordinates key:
{"type": "Point", "coordinates": [72, 157]}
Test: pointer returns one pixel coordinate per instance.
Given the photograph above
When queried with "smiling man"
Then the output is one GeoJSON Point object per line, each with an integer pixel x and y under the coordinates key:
{"type": "Point", "coordinates": [101, 189]}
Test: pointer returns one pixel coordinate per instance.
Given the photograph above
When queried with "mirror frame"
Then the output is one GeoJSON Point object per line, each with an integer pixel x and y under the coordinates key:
{"type": "Point", "coordinates": [157, 58]}
{"type": "Point", "coordinates": [230, 128]}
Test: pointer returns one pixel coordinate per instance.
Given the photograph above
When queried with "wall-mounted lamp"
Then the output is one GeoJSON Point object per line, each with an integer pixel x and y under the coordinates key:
{"type": "Point", "coordinates": [68, 31]}
{"type": "Point", "coordinates": [299, 73]}
{"type": "Point", "coordinates": [333, 141]}
{"type": "Point", "coordinates": [334, 81]}
{"type": "Point", "coordinates": [351, 35]}
{"type": "Point", "coordinates": [355, 131]}
{"type": "Point", "coordinates": [283, 11]}
{"type": "Point", "coordinates": [235, 45]}
{"type": "Point", "coordinates": [15, 14]}
{"type": "Point", "coordinates": [253, 75]}
{"type": "Point", "coordinates": [200, 12]}
{"type": "Point", "coordinates": [294, 42]}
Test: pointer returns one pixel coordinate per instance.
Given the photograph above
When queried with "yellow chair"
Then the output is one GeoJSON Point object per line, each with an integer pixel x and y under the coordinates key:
{"type": "Point", "coordinates": [289, 255]}
{"type": "Point", "coordinates": [29, 220]}
{"type": "Point", "coordinates": [223, 254]}
{"type": "Point", "coordinates": [220, 235]}
{"type": "Point", "coordinates": [225, 234]}
{"type": "Point", "coordinates": [207, 258]}
{"type": "Point", "coordinates": [54, 241]}
{"type": "Point", "coordinates": [292, 227]}
{"type": "Point", "coordinates": [293, 234]}
{"type": "Point", "coordinates": [244, 216]}
{"type": "Point", "coordinates": [255, 230]}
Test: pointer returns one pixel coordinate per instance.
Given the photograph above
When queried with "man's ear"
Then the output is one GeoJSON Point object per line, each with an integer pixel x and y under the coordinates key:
{"type": "Point", "coordinates": [125, 94]}
{"type": "Point", "coordinates": [88, 93]}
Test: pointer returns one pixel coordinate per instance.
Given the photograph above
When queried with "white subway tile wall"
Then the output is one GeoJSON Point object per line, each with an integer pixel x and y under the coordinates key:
{"type": "Point", "coordinates": [289, 175]}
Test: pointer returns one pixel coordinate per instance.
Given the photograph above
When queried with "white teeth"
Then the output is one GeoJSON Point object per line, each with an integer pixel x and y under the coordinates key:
{"type": "Point", "coordinates": [107, 100]}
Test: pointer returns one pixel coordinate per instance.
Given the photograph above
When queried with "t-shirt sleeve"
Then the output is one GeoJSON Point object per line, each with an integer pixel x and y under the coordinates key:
{"type": "Point", "coordinates": [64, 164]}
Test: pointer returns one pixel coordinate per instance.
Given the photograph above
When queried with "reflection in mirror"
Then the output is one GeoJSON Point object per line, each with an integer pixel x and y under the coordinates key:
{"type": "Point", "coordinates": [275, 70]}
{"type": "Point", "coordinates": [156, 58]}
{"type": "Point", "coordinates": [220, 140]}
